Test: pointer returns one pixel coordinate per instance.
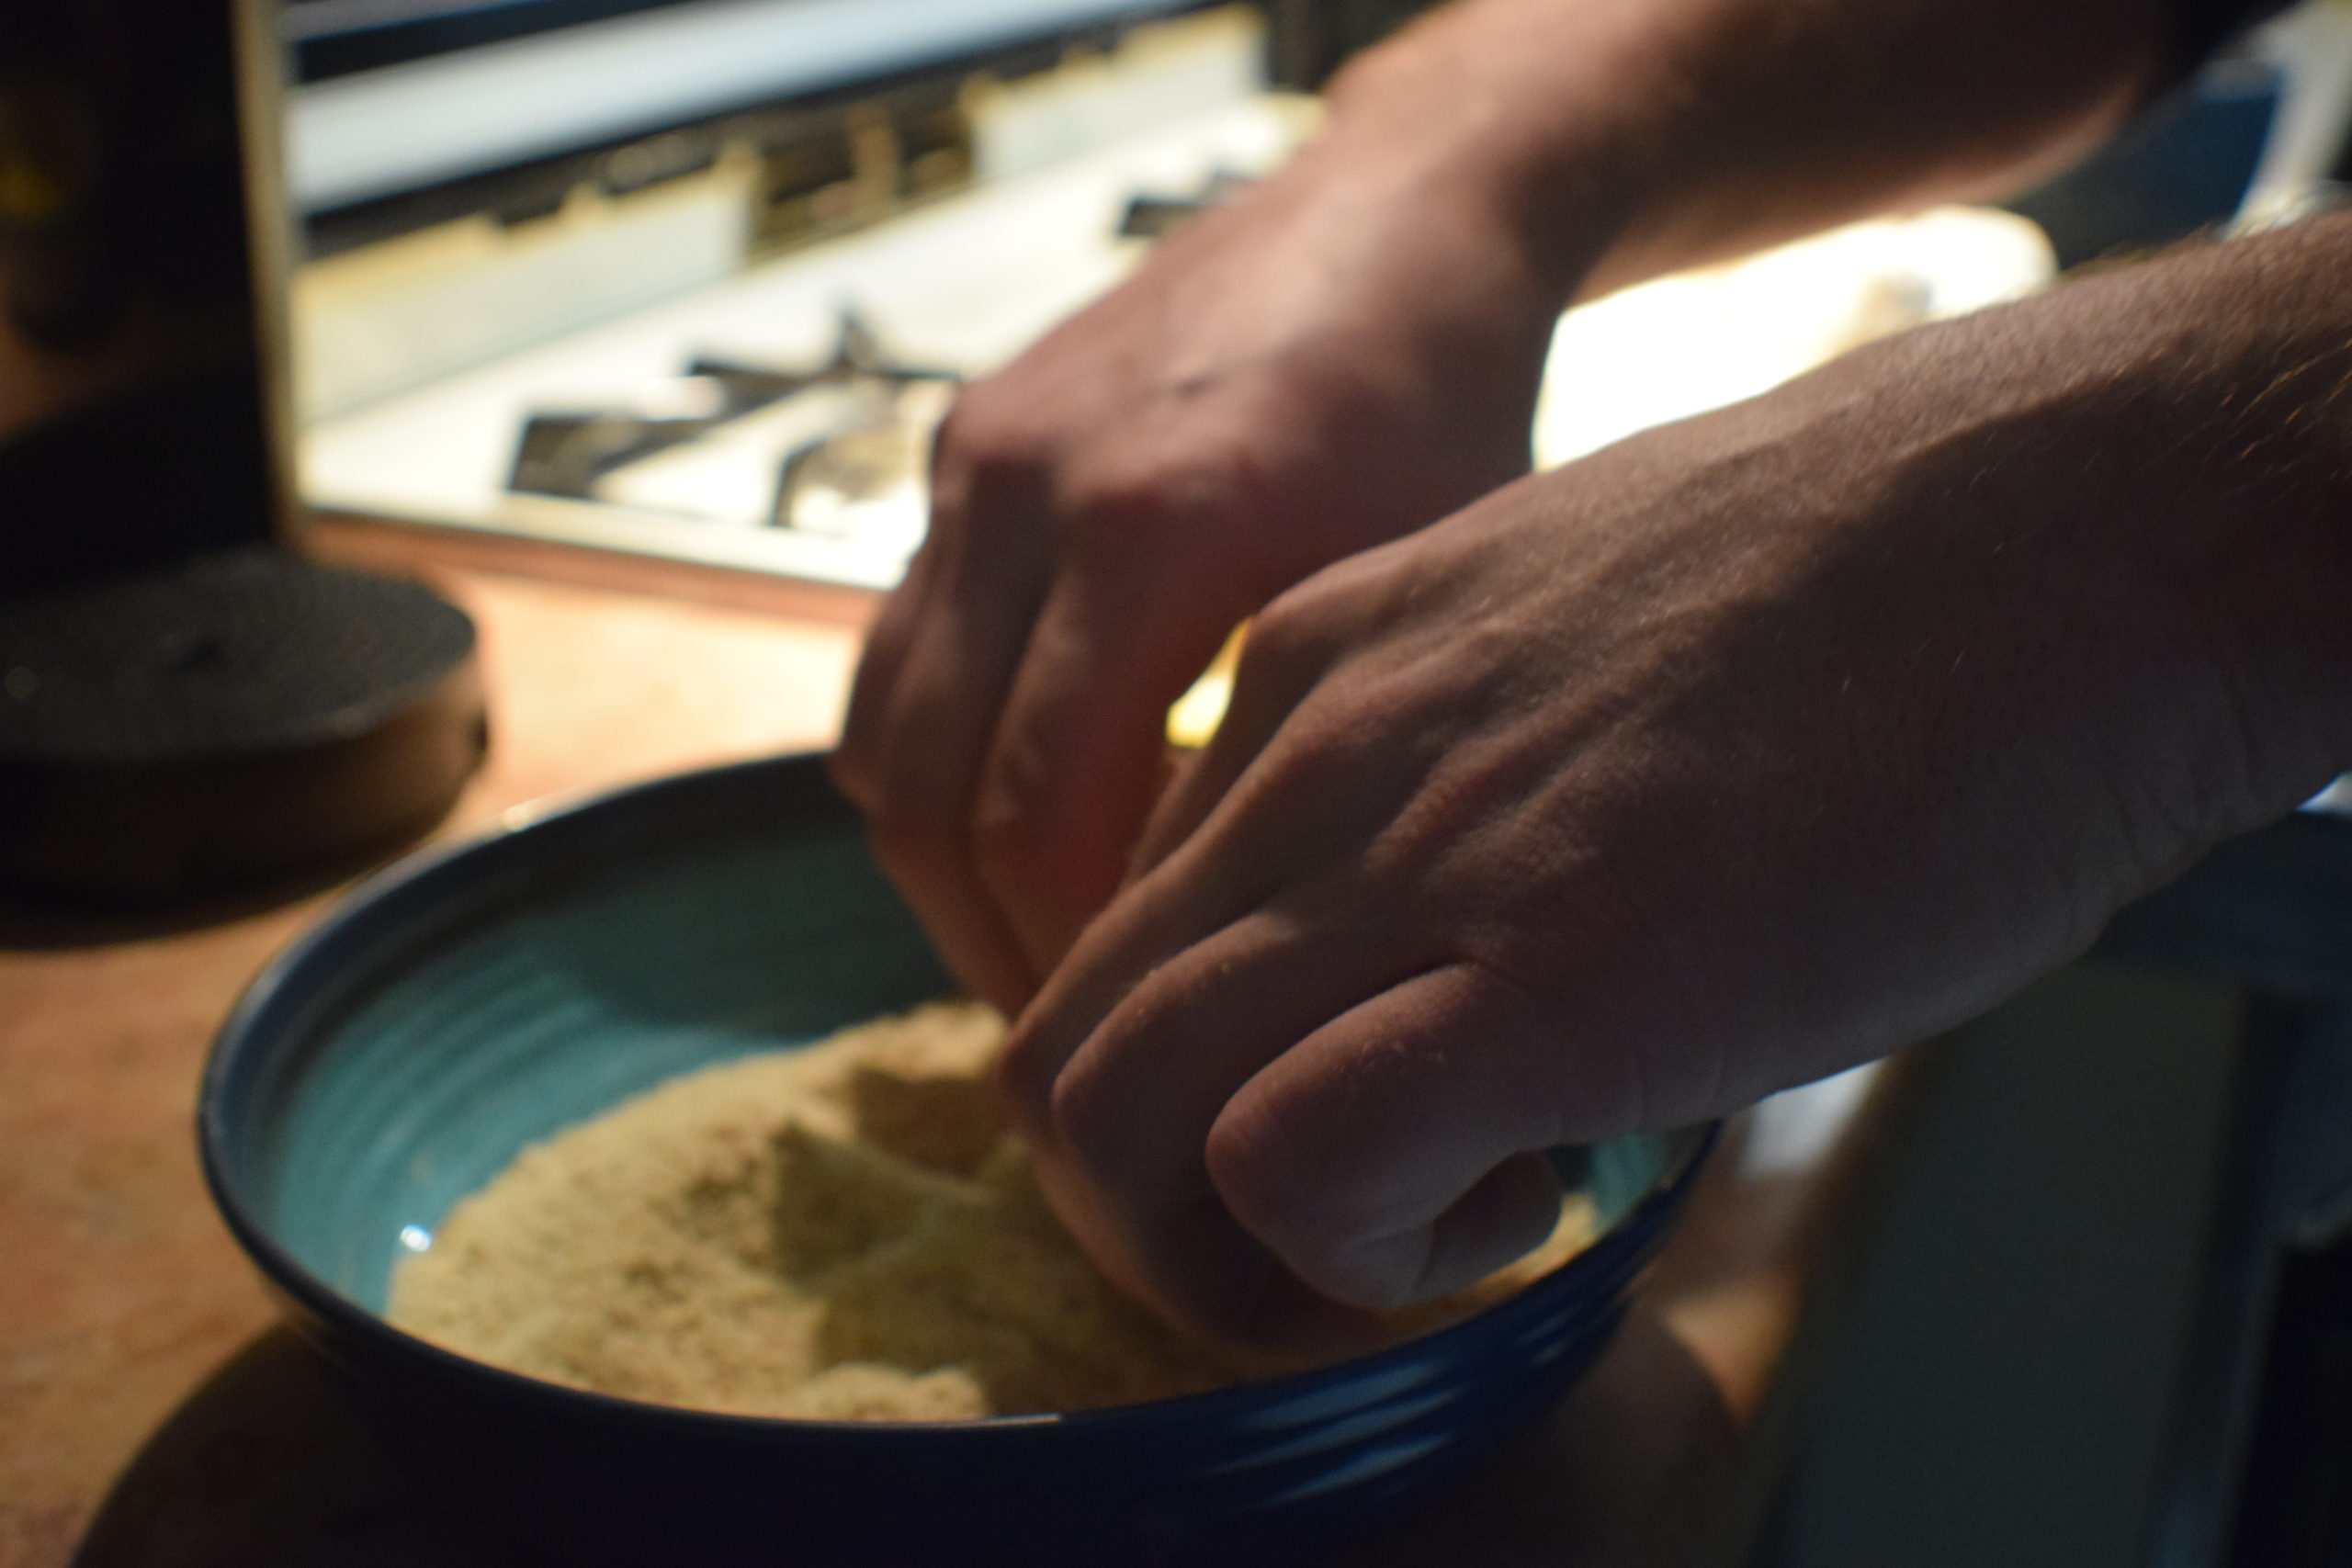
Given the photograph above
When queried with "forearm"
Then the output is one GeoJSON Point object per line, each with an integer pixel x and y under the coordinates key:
{"type": "Point", "coordinates": [2110, 527]}
{"type": "Point", "coordinates": [1625, 138]}
{"type": "Point", "coordinates": [1743, 750]}
{"type": "Point", "coordinates": [2197, 451]}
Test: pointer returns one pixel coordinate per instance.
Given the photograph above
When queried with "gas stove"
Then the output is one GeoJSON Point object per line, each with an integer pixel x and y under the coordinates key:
{"type": "Point", "coordinates": [778, 421]}
{"type": "Point", "coordinates": [834, 449]}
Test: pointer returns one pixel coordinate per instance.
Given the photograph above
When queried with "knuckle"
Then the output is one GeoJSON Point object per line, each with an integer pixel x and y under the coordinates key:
{"type": "Point", "coordinates": [1282, 632]}
{"type": "Point", "coordinates": [1246, 1167]}
{"type": "Point", "coordinates": [978, 426]}
{"type": "Point", "coordinates": [1150, 489]}
{"type": "Point", "coordinates": [1122, 521]}
{"type": "Point", "coordinates": [1022, 1075]}
{"type": "Point", "coordinates": [985, 454]}
{"type": "Point", "coordinates": [1083, 1109]}
{"type": "Point", "coordinates": [1315, 1221]}
{"type": "Point", "coordinates": [1295, 631]}
{"type": "Point", "coordinates": [1014, 805]}
{"type": "Point", "coordinates": [1102, 1105]}
{"type": "Point", "coordinates": [1013, 826]}
{"type": "Point", "coordinates": [1258, 1162]}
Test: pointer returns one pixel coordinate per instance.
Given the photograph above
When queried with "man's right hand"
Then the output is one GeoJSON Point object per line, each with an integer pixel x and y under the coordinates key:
{"type": "Point", "coordinates": [1748, 748]}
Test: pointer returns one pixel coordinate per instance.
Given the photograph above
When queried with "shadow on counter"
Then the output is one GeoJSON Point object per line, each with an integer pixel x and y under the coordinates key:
{"type": "Point", "coordinates": [268, 1461]}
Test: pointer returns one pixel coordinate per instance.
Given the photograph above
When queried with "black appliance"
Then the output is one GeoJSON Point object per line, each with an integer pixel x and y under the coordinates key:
{"type": "Point", "coordinates": [188, 707]}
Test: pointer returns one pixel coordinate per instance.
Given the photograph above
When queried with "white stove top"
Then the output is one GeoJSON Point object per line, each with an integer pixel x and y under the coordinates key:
{"type": "Point", "coordinates": [965, 283]}
{"type": "Point", "coordinates": [962, 285]}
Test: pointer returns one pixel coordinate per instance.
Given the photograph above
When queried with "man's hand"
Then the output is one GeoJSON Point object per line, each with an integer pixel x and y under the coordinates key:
{"type": "Point", "coordinates": [1335, 360]}
{"type": "Point", "coordinates": [1350, 352]}
{"type": "Point", "coordinates": [1746, 749]}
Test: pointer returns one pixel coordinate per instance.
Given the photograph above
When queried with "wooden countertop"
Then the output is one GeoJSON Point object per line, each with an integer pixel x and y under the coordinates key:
{"type": "Point", "coordinates": [143, 1385]}
{"type": "Point", "coordinates": [119, 1288]}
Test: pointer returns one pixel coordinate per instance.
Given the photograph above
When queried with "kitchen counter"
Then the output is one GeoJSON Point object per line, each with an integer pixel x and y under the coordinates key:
{"type": "Point", "coordinates": [151, 1410]}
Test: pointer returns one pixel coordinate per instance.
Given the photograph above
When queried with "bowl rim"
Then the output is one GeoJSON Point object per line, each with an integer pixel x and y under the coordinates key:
{"type": "Point", "coordinates": [244, 1037]}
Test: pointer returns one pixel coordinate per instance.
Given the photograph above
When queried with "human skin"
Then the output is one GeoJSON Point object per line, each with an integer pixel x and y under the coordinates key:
{"type": "Point", "coordinates": [1350, 352]}
{"type": "Point", "coordinates": [1744, 750]}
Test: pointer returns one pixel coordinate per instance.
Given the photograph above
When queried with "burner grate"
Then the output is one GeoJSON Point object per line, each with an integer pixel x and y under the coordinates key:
{"type": "Point", "coordinates": [815, 441]}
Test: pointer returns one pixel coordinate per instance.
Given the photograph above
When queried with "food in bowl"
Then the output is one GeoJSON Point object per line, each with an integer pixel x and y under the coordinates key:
{"type": "Point", "coordinates": [846, 1231]}
{"type": "Point", "coordinates": [477, 1000]}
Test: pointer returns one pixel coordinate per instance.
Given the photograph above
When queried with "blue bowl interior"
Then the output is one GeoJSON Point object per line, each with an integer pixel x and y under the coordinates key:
{"type": "Point", "coordinates": [452, 1015]}
{"type": "Point", "coordinates": [557, 1011]}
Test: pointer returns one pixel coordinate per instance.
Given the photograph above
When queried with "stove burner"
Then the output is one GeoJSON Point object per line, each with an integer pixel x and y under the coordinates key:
{"type": "Point", "coordinates": [566, 454]}
{"type": "Point", "coordinates": [881, 450]}
{"type": "Point", "coordinates": [570, 453]}
{"type": "Point", "coordinates": [1149, 216]}
{"type": "Point", "coordinates": [858, 357]}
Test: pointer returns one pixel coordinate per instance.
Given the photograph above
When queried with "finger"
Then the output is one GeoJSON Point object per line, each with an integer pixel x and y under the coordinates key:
{"type": "Point", "coordinates": [1127, 1111]}
{"type": "Point", "coordinates": [1289, 649]}
{"type": "Point", "coordinates": [923, 714]}
{"type": "Point", "coordinates": [879, 663]}
{"type": "Point", "coordinates": [1389, 1156]}
{"type": "Point", "coordinates": [1312, 804]}
{"type": "Point", "coordinates": [857, 762]}
{"type": "Point", "coordinates": [1144, 976]}
{"type": "Point", "coordinates": [1271, 838]}
{"type": "Point", "coordinates": [1080, 753]}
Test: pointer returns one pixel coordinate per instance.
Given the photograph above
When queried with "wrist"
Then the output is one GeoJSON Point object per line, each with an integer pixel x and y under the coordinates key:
{"type": "Point", "coordinates": [1538, 125]}
{"type": "Point", "coordinates": [2145, 477]}
{"type": "Point", "coordinates": [1622, 139]}
{"type": "Point", "coordinates": [2249, 488]}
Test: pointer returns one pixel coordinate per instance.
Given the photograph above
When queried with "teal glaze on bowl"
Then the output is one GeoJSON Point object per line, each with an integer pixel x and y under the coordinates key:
{"type": "Point", "coordinates": [521, 1027]}
{"type": "Point", "coordinates": [469, 1003]}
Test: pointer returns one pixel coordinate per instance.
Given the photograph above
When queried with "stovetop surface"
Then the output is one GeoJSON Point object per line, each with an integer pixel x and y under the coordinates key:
{"type": "Point", "coordinates": [727, 426]}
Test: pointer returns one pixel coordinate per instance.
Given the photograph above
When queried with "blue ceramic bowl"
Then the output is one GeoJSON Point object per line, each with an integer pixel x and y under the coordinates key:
{"type": "Point", "coordinates": [471, 1001]}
